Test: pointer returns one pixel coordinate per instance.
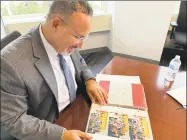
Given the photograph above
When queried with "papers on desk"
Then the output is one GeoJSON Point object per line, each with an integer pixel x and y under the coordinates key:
{"type": "Point", "coordinates": [119, 78]}
{"type": "Point", "coordinates": [180, 80]}
{"type": "Point", "coordinates": [179, 94]}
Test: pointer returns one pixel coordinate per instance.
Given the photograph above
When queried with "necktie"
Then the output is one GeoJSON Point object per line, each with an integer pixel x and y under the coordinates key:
{"type": "Point", "coordinates": [68, 77]}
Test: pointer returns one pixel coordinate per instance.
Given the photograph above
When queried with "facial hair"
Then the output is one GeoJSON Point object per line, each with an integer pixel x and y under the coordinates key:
{"type": "Point", "coordinates": [66, 53]}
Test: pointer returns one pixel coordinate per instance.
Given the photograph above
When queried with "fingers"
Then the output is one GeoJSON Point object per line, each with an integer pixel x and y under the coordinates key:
{"type": "Point", "coordinates": [105, 95]}
{"type": "Point", "coordinates": [84, 135]}
{"type": "Point", "coordinates": [97, 94]}
{"type": "Point", "coordinates": [101, 96]}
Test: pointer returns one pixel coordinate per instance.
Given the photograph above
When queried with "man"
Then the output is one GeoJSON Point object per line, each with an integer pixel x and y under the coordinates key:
{"type": "Point", "coordinates": [39, 77]}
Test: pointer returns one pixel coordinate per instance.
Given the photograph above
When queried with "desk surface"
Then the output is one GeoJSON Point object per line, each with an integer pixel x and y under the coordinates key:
{"type": "Point", "coordinates": [167, 123]}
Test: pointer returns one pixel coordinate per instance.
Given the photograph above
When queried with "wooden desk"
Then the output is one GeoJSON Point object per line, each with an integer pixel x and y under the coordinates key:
{"type": "Point", "coordinates": [167, 123]}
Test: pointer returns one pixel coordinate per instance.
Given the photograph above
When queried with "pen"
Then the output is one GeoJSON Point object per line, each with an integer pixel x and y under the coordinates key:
{"type": "Point", "coordinates": [183, 106]}
{"type": "Point", "coordinates": [81, 60]}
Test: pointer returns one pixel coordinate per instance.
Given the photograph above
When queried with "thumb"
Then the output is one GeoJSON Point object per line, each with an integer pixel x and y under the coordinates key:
{"type": "Point", "coordinates": [92, 97]}
{"type": "Point", "coordinates": [84, 135]}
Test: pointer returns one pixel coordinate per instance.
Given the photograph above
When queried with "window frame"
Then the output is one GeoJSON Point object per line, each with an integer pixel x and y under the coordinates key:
{"type": "Point", "coordinates": [13, 19]}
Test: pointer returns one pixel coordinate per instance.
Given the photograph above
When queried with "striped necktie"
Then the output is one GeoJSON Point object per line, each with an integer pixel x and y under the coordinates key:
{"type": "Point", "coordinates": [69, 78]}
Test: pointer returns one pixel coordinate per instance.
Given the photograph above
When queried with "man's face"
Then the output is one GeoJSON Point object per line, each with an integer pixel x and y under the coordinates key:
{"type": "Point", "coordinates": [69, 32]}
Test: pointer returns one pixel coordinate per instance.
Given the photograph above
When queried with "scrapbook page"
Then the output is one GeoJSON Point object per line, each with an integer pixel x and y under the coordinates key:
{"type": "Point", "coordinates": [124, 93]}
{"type": "Point", "coordinates": [109, 122]}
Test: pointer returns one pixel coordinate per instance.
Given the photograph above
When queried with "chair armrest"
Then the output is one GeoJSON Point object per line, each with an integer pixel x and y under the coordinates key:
{"type": "Point", "coordinates": [174, 24]}
{"type": "Point", "coordinates": [9, 38]}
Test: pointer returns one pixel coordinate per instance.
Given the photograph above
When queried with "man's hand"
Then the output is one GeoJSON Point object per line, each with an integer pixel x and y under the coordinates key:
{"type": "Point", "coordinates": [75, 135]}
{"type": "Point", "coordinates": [96, 93]}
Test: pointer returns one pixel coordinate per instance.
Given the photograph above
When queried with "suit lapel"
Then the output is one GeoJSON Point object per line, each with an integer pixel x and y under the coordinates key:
{"type": "Point", "coordinates": [43, 64]}
{"type": "Point", "coordinates": [44, 67]}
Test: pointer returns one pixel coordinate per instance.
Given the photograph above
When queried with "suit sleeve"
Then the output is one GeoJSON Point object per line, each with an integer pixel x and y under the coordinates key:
{"type": "Point", "coordinates": [86, 73]}
{"type": "Point", "coordinates": [14, 107]}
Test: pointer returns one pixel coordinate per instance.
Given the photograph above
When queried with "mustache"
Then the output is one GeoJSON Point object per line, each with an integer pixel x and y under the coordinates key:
{"type": "Point", "coordinates": [74, 46]}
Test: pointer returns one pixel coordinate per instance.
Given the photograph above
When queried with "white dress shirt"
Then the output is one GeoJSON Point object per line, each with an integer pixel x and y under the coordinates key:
{"type": "Point", "coordinates": [63, 93]}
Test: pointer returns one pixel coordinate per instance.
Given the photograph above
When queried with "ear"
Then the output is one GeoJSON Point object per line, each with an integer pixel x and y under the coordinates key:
{"type": "Point", "coordinates": [55, 22]}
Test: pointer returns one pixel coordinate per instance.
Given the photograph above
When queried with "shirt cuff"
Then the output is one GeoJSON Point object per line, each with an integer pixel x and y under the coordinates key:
{"type": "Point", "coordinates": [64, 129]}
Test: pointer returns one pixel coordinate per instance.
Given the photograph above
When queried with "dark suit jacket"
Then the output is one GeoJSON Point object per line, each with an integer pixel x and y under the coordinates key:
{"type": "Point", "coordinates": [29, 89]}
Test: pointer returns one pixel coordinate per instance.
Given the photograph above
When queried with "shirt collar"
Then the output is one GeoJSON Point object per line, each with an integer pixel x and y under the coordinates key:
{"type": "Point", "coordinates": [49, 48]}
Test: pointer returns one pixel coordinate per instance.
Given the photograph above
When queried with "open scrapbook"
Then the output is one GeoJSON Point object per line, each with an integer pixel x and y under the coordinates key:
{"type": "Point", "coordinates": [126, 116]}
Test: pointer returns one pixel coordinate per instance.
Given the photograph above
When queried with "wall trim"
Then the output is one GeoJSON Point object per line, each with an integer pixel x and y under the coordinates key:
{"type": "Point", "coordinates": [136, 58]}
{"type": "Point", "coordinates": [120, 55]}
{"type": "Point", "coordinates": [93, 50]}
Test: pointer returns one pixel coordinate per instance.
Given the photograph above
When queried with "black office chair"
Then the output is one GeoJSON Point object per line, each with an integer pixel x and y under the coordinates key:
{"type": "Point", "coordinates": [9, 38]}
{"type": "Point", "coordinates": [179, 29]}
{"type": "Point", "coordinates": [5, 41]}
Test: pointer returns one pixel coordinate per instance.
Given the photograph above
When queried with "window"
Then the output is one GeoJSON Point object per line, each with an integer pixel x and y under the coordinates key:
{"type": "Point", "coordinates": [24, 11]}
{"type": "Point", "coordinates": [13, 8]}
{"type": "Point", "coordinates": [99, 7]}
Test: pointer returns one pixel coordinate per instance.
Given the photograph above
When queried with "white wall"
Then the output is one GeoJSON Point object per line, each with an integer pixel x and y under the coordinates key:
{"type": "Point", "coordinates": [96, 40]}
{"type": "Point", "coordinates": [98, 37]}
{"type": "Point", "coordinates": [139, 28]}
